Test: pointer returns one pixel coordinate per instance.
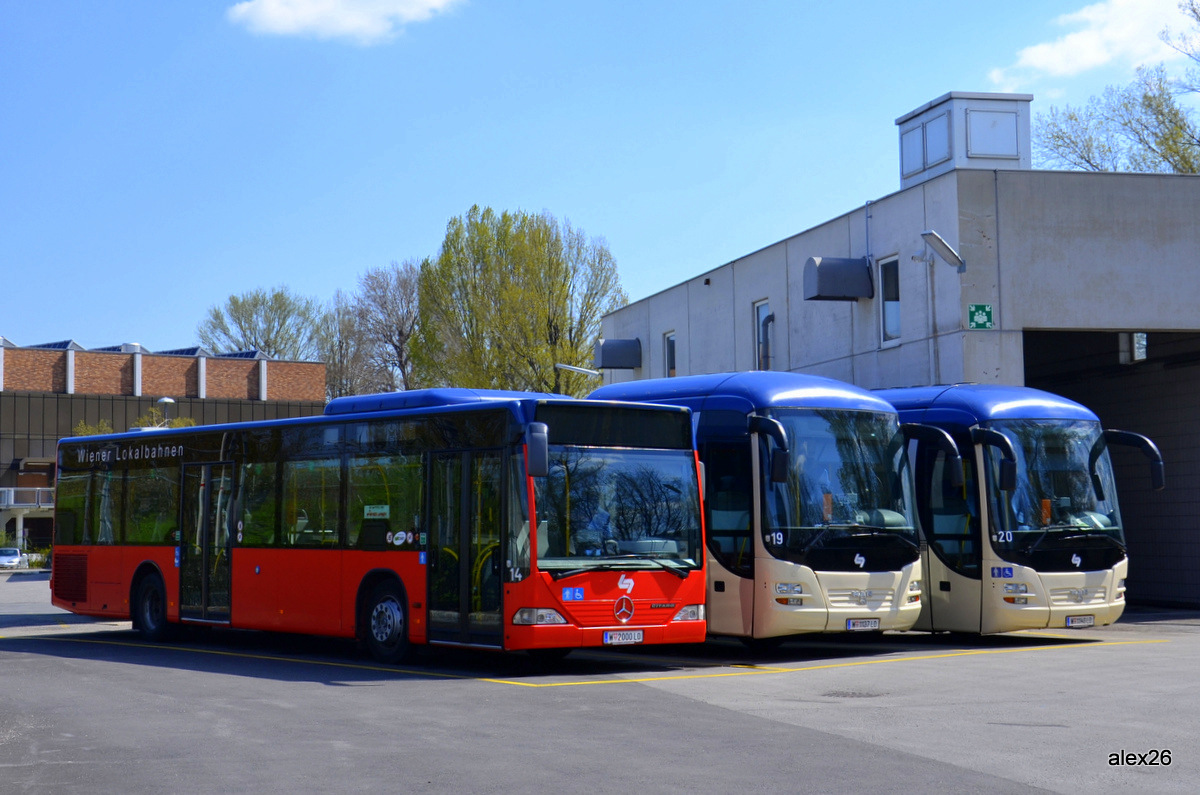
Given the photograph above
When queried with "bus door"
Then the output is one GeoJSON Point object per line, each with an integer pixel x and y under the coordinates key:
{"type": "Point", "coordinates": [204, 542]}
{"type": "Point", "coordinates": [952, 559]}
{"type": "Point", "coordinates": [729, 501]}
{"type": "Point", "coordinates": [465, 517]}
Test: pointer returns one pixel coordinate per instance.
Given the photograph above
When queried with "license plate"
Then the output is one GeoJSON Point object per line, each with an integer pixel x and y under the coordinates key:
{"type": "Point", "coordinates": [1081, 621]}
{"type": "Point", "coordinates": [861, 624]}
{"type": "Point", "coordinates": [623, 637]}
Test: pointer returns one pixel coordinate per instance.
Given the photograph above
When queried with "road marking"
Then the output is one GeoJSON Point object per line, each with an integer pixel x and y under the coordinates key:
{"type": "Point", "coordinates": [738, 669]}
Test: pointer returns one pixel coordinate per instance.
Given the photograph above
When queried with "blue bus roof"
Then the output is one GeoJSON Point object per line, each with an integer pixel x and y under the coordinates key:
{"type": "Point", "coordinates": [521, 404]}
{"type": "Point", "coordinates": [746, 392]}
{"type": "Point", "coordinates": [967, 405]}
{"type": "Point", "coordinates": [429, 398]}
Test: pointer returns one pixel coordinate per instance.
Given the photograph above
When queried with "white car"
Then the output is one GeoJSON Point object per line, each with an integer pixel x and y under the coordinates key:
{"type": "Point", "coordinates": [13, 558]}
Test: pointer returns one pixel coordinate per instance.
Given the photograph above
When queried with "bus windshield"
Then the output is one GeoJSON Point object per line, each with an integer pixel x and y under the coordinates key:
{"type": "Point", "coordinates": [847, 477]}
{"type": "Point", "coordinates": [1056, 499]}
{"type": "Point", "coordinates": [618, 508]}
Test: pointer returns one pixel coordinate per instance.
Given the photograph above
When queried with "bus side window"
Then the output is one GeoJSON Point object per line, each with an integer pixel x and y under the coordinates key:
{"type": "Point", "coordinates": [256, 505]}
{"type": "Point", "coordinates": [954, 531]}
{"type": "Point", "coordinates": [72, 500]}
{"type": "Point", "coordinates": [311, 499]}
{"type": "Point", "coordinates": [729, 505]}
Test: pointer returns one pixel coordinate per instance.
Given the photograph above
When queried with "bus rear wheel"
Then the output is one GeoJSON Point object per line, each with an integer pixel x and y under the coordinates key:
{"type": "Point", "coordinates": [152, 608]}
{"type": "Point", "coordinates": [386, 623]}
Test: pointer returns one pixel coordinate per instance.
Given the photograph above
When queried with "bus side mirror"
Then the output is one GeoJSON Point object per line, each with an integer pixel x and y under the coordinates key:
{"type": "Point", "coordinates": [779, 455]}
{"type": "Point", "coordinates": [1158, 475]}
{"type": "Point", "coordinates": [1158, 472]}
{"type": "Point", "coordinates": [1008, 474]}
{"type": "Point", "coordinates": [1008, 455]}
{"type": "Point", "coordinates": [779, 465]}
{"type": "Point", "coordinates": [943, 441]}
{"type": "Point", "coordinates": [537, 449]}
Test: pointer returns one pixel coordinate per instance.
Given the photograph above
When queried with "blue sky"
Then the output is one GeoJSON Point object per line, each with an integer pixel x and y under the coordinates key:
{"type": "Point", "coordinates": [156, 157]}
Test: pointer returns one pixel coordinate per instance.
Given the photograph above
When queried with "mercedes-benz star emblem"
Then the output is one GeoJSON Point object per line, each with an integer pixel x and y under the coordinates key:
{"type": "Point", "coordinates": [623, 609]}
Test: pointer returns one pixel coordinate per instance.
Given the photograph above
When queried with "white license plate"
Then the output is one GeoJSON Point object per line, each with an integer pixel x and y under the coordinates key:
{"type": "Point", "coordinates": [1081, 621]}
{"type": "Point", "coordinates": [623, 637]}
{"type": "Point", "coordinates": [861, 624]}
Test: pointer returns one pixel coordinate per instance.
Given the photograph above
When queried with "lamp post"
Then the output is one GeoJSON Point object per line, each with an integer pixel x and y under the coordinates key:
{"type": "Point", "coordinates": [165, 404]}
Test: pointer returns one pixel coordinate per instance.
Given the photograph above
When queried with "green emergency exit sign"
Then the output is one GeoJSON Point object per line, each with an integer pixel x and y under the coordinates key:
{"type": "Point", "coordinates": [979, 316]}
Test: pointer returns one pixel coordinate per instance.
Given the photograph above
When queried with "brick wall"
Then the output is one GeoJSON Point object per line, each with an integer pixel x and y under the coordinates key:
{"type": "Point", "coordinates": [110, 373]}
{"type": "Point", "coordinates": [33, 370]}
{"type": "Point", "coordinates": [233, 378]}
{"type": "Point", "coordinates": [176, 376]}
{"type": "Point", "coordinates": [295, 381]}
{"type": "Point", "coordinates": [102, 373]}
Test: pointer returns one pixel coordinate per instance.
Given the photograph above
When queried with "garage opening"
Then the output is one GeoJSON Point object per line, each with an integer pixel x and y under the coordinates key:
{"type": "Point", "coordinates": [1149, 384]}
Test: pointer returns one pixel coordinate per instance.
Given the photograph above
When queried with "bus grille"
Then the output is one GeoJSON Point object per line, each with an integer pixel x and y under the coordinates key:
{"type": "Point", "coordinates": [600, 613]}
{"type": "Point", "coordinates": [1078, 596]}
{"type": "Point", "coordinates": [70, 577]}
{"type": "Point", "coordinates": [875, 598]}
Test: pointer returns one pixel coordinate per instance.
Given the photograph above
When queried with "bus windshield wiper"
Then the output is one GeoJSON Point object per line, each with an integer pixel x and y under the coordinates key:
{"type": "Point", "coordinates": [868, 531]}
{"type": "Point", "coordinates": [613, 563]}
{"type": "Point", "coordinates": [825, 531]}
{"type": "Point", "coordinates": [864, 531]}
{"type": "Point", "coordinates": [1046, 532]}
{"type": "Point", "coordinates": [678, 571]}
{"type": "Point", "coordinates": [1095, 534]}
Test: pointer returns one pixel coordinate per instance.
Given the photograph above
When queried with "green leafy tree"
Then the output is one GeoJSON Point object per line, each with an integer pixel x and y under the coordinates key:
{"type": "Point", "coordinates": [1146, 126]}
{"type": "Point", "coordinates": [276, 322]}
{"type": "Point", "coordinates": [153, 418]}
{"type": "Point", "coordinates": [92, 429]}
{"type": "Point", "coordinates": [157, 418]}
{"type": "Point", "coordinates": [509, 296]}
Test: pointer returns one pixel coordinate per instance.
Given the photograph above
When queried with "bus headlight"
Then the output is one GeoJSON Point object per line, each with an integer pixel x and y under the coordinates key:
{"type": "Point", "coordinates": [914, 586]}
{"type": "Point", "coordinates": [690, 613]}
{"type": "Point", "coordinates": [1016, 587]}
{"type": "Point", "coordinates": [788, 588]}
{"type": "Point", "coordinates": [527, 616]}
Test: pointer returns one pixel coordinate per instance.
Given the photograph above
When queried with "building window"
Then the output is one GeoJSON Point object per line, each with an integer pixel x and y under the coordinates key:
{"type": "Point", "coordinates": [889, 280]}
{"type": "Point", "coordinates": [669, 353]}
{"type": "Point", "coordinates": [763, 323]}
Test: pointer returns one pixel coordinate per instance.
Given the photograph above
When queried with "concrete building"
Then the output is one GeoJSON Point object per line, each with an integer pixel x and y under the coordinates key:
{"type": "Point", "coordinates": [1083, 284]}
{"type": "Point", "coordinates": [46, 390]}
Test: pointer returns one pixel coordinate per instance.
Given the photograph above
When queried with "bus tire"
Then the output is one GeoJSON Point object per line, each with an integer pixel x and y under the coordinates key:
{"type": "Point", "coordinates": [386, 623]}
{"type": "Point", "coordinates": [152, 608]}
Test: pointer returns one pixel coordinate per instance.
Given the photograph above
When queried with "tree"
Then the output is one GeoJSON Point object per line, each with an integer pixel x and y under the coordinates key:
{"type": "Point", "coordinates": [153, 418]}
{"type": "Point", "coordinates": [100, 428]}
{"type": "Point", "coordinates": [343, 345]}
{"type": "Point", "coordinates": [386, 306]}
{"type": "Point", "coordinates": [509, 296]}
{"type": "Point", "coordinates": [157, 418]}
{"type": "Point", "coordinates": [277, 323]}
{"type": "Point", "coordinates": [1140, 127]}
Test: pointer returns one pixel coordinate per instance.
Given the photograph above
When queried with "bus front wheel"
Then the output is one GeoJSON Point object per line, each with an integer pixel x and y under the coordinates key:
{"type": "Point", "coordinates": [386, 623]}
{"type": "Point", "coordinates": [152, 608]}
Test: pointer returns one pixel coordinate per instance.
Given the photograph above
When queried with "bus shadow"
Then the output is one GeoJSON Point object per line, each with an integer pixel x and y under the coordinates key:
{"type": "Point", "coordinates": [318, 660]}
{"type": "Point", "coordinates": [338, 662]}
{"type": "Point", "coordinates": [60, 617]}
{"type": "Point", "coordinates": [816, 648]}
{"type": "Point", "coordinates": [30, 575]}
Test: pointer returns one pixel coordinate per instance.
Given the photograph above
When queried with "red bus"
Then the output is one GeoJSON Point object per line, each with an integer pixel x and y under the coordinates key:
{"type": "Point", "coordinates": [474, 518]}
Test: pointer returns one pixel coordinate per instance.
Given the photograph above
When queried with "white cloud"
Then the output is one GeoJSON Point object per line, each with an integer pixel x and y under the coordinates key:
{"type": "Point", "coordinates": [1120, 32]}
{"type": "Point", "coordinates": [361, 21]}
